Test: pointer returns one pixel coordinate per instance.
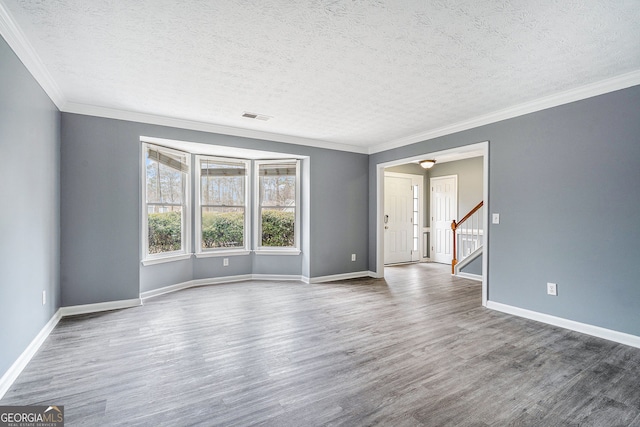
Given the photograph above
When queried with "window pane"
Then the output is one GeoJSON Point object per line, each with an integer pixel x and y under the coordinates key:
{"type": "Point", "coordinates": [278, 227]}
{"type": "Point", "coordinates": [165, 228]}
{"type": "Point", "coordinates": [222, 200]}
{"type": "Point", "coordinates": [277, 199]}
{"type": "Point", "coordinates": [164, 184]}
{"type": "Point", "coordinates": [278, 191]}
{"type": "Point", "coordinates": [222, 228]}
{"type": "Point", "coordinates": [222, 184]}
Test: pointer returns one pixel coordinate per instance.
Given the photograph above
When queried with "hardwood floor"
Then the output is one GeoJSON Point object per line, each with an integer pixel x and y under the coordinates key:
{"type": "Point", "coordinates": [414, 349]}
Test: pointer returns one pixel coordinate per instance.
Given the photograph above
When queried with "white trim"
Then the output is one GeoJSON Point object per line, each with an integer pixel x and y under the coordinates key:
{"type": "Point", "coordinates": [245, 249]}
{"type": "Point", "coordinates": [170, 258]}
{"type": "Point", "coordinates": [154, 119]}
{"type": "Point", "coordinates": [473, 231]}
{"type": "Point", "coordinates": [584, 328]}
{"type": "Point", "coordinates": [278, 277]}
{"type": "Point", "coordinates": [192, 284]}
{"type": "Point", "coordinates": [379, 237]}
{"type": "Point", "coordinates": [485, 223]}
{"type": "Point", "coordinates": [587, 91]}
{"type": "Point", "coordinates": [222, 253]}
{"type": "Point", "coordinates": [467, 260]}
{"type": "Point", "coordinates": [245, 277]}
{"type": "Point", "coordinates": [469, 276]}
{"type": "Point", "coordinates": [218, 281]}
{"type": "Point", "coordinates": [403, 175]}
{"type": "Point", "coordinates": [257, 211]}
{"type": "Point", "coordinates": [166, 290]}
{"type": "Point", "coordinates": [20, 45]}
{"type": "Point", "coordinates": [277, 252]}
{"type": "Point", "coordinates": [21, 362]}
{"type": "Point", "coordinates": [74, 310]}
{"type": "Point", "coordinates": [185, 252]}
{"type": "Point", "coordinates": [343, 276]}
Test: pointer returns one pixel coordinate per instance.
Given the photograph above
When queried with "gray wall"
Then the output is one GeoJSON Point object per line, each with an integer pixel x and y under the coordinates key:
{"type": "Point", "coordinates": [474, 267]}
{"type": "Point", "coordinates": [101, 212]}
{"type": "Point", "coordinates": [566, 183]}
{"type": "Point", "coordinates": [30, 214]}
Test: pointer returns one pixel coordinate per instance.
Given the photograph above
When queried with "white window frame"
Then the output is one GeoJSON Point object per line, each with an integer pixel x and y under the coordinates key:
{"type": "Point", "coordinates": [203, 253]}
{"type": "Point", "coordinates": [185, 252]}
{"type": "Point", "coordinates": [270, 250]}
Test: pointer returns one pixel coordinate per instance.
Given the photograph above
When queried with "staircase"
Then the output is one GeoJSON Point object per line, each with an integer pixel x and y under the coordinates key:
{"type": "Point", "coordinates": [468, 238]}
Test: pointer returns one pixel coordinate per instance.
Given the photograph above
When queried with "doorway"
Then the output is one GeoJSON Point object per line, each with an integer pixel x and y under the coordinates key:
{"type": "Point", "coordinates": [444, 209]}
{"type": "Point", "coordinates": [402, 217]}
{"type": "Point", "coordinates": [480, 149]}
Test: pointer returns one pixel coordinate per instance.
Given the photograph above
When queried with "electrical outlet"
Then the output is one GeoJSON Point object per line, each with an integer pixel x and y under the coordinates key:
{"type": "Point", "coordinates": [44, 297]}
{"type": "Point", "coordinates": [552, 289]}
{"type": "Point", "coordinates": [225, 262]}
{"type": "Point", "coordinates": [353, 257]}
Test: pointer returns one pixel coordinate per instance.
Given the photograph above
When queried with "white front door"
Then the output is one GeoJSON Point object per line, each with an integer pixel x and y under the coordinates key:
{"type": "Point", "coordinates": [398, 219]}
{"type": "Point", "coordinates": [444, 209]}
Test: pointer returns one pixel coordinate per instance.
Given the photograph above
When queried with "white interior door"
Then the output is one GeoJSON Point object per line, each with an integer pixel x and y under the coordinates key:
{"type": "Point", "coordinates": [398, 220]}
{"type": "Point", "coordinates": [444, 209]}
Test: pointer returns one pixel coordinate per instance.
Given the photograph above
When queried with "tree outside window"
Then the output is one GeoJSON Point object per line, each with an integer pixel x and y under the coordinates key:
{"type": "Point", "coordinates": [222, 203]}
{"type": "Point", "coordinates": [278, 200]}
{"type": "Point", "coordinates": [165, 179]}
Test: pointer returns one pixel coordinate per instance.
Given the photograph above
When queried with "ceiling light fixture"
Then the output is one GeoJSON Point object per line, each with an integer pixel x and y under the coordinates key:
{"type": "Point", "coordinates": [427, 164]}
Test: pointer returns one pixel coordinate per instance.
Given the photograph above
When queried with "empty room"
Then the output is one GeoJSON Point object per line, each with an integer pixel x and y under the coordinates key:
{"type": "Point", "coordinates": [320, 213]}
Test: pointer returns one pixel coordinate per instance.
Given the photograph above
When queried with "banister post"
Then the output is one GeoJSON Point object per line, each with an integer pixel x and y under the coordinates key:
{"type": "Point", "coordinates": [454, 259]}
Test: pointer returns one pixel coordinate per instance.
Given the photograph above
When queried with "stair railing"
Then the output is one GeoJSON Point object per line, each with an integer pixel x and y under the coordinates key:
{"type": "Point", "coordinates": [471, 235]}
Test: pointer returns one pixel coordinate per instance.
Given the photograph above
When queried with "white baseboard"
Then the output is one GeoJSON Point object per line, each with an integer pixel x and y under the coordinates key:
{"type": "Point", "coordinates": [278, 277]}
{"type": "Point", "coordinates": [596, 331]}
{"type": "Point", "coordinates": [74, 310]}
{"type": "Point", "coordinates": [12, 373]}
{"type": "Point", "coordinates": [241, 278]}
{"type": "Point", "coordinates": [470, 276]}
{"type": "Point", "coordinates": [166, 289]}
{"type": "Point", "coordinates": [217, 281]}
{"type": "Point", "coordinates": [343, 276]}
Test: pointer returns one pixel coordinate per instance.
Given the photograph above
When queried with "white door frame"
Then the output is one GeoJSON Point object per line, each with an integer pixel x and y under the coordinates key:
{"type": "Point", "coordinates": [484, 147]}
{"type": "Point", "coordinates": [432, 238]}
{"type": "Point", "coordinates": [415, 180]}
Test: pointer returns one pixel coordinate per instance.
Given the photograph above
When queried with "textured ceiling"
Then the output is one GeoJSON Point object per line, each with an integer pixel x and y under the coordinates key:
{"type": "Point", "coordinates": [355, 72]}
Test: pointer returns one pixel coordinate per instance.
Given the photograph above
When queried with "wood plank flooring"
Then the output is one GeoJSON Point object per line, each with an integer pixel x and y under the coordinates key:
{"type": "Point", "coordinates": [414, 349]}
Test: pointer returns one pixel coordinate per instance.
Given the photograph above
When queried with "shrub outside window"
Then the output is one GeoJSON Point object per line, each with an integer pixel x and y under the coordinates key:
{"type": "Point", "coordinates": [278, 200]}
{"type": "Point", "coordinates": [222, 217]}
{"type": "Point", "coordinates": [166, 197]}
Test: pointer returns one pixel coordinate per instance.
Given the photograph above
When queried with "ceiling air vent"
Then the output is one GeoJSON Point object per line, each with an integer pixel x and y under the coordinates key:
{"type": "Point", "coordinates": [256, 116]}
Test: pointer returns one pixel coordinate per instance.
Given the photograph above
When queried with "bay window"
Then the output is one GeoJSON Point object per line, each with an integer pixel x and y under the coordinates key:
{"type": "Point", "coordinates": [166, 195]}
{"type": "Point", "coordinates": [277, 205]}
{"type": "Point", "coordinates": [222, 218]}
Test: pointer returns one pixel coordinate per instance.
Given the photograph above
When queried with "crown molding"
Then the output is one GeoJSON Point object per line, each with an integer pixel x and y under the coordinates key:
{"type": "Point", "coordinates": [587, 91]}
{"type": "Point", "coordinates": [112, 113]}
{"type": "Point", "coordinates": [19, 43]}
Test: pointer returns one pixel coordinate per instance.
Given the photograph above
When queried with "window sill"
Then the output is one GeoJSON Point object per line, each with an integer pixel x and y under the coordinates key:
{"type": "Point", "coordinates": [233, 252]}
{"type": "Point", "coordinates": [160, 260]}
{"type": "Point", "coordinates": [278, 251]}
